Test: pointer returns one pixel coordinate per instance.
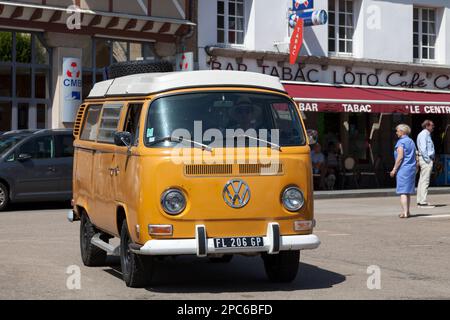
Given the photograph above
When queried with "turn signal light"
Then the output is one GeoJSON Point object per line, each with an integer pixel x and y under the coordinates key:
{"type": "Point", "coordinates": [303, 225]}
{"type": "Point", "coordinates": [160, 229]}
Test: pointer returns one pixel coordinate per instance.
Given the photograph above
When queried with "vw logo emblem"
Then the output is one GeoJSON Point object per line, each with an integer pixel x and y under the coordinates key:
{"type": "Point", "coordinates": [236, 193]}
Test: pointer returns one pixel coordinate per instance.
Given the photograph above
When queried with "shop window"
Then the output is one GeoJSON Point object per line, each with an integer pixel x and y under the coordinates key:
{"type": "Point", "coordinates": [230, 21]}
{"type": "Point", "coordinates": [23, 47]}
{"type": "Point", "coordinates": [109, 123]}
{"type": "Point", "coordinates": [5, 116]}
{"type": "Point", "coordinates": [22, 115]}
{"type": "Point", "coordinates": [120, 51]}
{"type": "Point", "coordinates": [41, 52]}
{"type": "Point", "coordinates": [40, 83]}
{"type": "Point", "coordinates": [424, 35]}
{"type": "Point", "coordinates": [6, 44]}
{"type": "Point", "coordinates": [41, 116]}
{"type": "Point", "coordinates": [23, 82]}
{"type": "Point", "coordinates": [5, 81]}
{"type": "Point", "coordinates": [102, 53]}
{"type": "Point", "coordinates": [340, 26]}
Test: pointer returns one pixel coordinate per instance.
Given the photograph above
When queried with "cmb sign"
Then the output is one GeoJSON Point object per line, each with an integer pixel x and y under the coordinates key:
{"type": "Point", "coordinates": [71, 88]}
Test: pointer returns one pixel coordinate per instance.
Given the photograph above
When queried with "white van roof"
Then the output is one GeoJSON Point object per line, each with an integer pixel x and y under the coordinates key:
{"type": "Point", "coordinates": [149, 83]}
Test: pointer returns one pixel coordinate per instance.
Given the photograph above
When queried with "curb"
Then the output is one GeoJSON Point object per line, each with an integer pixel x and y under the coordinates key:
{"type": "Point", "coordinates": [370, 193]}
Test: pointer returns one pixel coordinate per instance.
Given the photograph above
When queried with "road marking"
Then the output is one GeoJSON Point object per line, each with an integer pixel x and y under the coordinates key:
{"type": "Point", "coordinates": [339, 234]}
{"type": "Point", "coordinates": [438, 216]}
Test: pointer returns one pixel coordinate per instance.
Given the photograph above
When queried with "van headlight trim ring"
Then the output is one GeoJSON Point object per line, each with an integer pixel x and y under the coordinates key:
{"type": "Point", "coordinates": [293, 199]}
{"type": "Point", "coordinates": [173, 201]}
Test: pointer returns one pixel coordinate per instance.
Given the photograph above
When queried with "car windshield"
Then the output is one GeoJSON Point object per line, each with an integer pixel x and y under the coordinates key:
{"type": "Point", "coordinates": [7, 141]}
{"type": "Point", "coordinates": [214, 117]}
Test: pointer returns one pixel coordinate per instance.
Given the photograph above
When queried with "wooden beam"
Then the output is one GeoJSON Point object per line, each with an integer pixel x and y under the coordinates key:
{"type": "Point", "coordinates": [147, 26]}
{"type": "Point", "coordinates": [131, 24]}
{"type": "Point", "coordinates": [17, 13]}
{"type": "Point", "coordinates": [111, 6]}
{"type": "Point", "coordinates": [149, 8]}
{"type": "Point", "coordinates": [95, 21]}
{"type": "Point", "coordinates": [1, 8]}
{"type": "Point", "coordinates": [37, 14]}
{"type": "Point", "coordinates": [164, 28]}
{"type": "Point", "coordinates": [56, 16]}
{"type": "Point", "coordinates": [113, 23]}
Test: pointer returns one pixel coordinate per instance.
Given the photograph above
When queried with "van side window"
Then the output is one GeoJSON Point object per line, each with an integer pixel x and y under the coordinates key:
{"type": "Point", "coordinates": [64, 146]}
{"type": "Point", "coordinates": [39, 148]}
{"type": "Point", "coordinates": [109, 122]}
{"type": "Point", "coordinates": [132, 121]}
{"type": "Point", "coordinates": [90, 125]}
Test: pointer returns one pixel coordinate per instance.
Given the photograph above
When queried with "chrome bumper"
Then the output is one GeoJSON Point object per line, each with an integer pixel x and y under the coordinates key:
{"type": "Point", "coordinates": [202, 246]}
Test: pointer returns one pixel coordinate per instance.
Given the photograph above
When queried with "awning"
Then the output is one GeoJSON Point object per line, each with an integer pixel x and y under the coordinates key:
{"type": "Point", "coordinates": [330, 98]}
{"type": "Point", "coordinates": [98, 23]}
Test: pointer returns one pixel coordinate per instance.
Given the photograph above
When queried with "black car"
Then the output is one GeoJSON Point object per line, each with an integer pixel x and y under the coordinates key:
{"type": "Point", "coordinates": [36, 165]}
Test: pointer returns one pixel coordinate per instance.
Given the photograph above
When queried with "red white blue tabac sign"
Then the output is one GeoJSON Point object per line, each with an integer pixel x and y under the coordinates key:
{"type": "Point", "coordinates": [71, 86]}
{"type": "Point", "coordinates": [302, 4]}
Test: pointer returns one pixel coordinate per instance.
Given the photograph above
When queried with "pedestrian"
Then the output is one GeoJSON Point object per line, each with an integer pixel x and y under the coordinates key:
{"type": "Point", "coordinates": [426, 159]}
{"type": "Point", "coordinates": [404, 167]}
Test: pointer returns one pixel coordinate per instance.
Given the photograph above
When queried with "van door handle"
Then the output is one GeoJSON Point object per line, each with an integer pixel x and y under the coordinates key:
{"type": "Point", "coordinates": [114, 171]}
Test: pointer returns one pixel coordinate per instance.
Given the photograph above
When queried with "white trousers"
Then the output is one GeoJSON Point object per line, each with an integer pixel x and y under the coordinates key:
{"type": "Point", "coordinates": [424, 180]}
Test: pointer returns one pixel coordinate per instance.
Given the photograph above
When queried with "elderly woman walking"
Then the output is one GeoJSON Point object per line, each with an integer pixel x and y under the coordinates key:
{"type": "Point", "coordinates": [405, 167]}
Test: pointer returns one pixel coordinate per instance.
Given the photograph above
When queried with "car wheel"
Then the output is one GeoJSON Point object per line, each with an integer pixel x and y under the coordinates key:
{"type": "Point", "coordinates": [282, 267]}
{"type": "Point", "coordinates": [122, 69]}
{"type": "Point", "coordinates": [91, 255]}
{"type": "Point", "coordinates": [224, 259]}
{"type": "Point", "coordinates": [137, 270]}
{"type": "Point", "coordinates": [4, 197]}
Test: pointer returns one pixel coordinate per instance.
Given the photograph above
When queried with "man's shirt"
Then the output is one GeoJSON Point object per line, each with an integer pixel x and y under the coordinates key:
{"type": "Point", "coordinates": [425, 146]}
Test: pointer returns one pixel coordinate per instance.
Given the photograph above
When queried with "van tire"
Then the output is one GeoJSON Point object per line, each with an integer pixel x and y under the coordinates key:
{"type": "Point", "coordinates": [91, 255]}
{"type": "Point", "coordinates": [4, 195]}
{"type": "Point", "coordinates": [137, 270]}
{"type": "Point", "coordinates": [127, 68]}
{"type": "Point", "coordinates": [282, 267]}
{"type": "Point", "coordinates": [226, 258]}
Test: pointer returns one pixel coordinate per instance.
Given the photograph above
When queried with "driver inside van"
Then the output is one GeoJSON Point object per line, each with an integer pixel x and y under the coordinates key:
{"type": "Point", "coordinates": [243, 115]}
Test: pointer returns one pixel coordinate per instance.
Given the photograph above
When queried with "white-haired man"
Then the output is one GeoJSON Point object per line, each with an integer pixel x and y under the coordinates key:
{"type": "Point", "coordinates": [426, 158]}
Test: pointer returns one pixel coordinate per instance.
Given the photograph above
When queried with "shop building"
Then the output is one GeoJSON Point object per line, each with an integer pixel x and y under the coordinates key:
{"type": "Point", "coordinates": [38, 37]}
{"type": "Point", "coordinates": [373, 65]}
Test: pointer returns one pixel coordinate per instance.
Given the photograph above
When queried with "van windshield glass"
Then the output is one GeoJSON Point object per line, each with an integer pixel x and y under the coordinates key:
{"type": "Point", "coordinates": [218, 118]}
{"type": "Point", "coordinates": [9, 141]}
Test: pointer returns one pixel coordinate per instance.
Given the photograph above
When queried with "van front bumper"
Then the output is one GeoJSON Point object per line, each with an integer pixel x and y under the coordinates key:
{"type": "Point", "coordinates": [203, 246]}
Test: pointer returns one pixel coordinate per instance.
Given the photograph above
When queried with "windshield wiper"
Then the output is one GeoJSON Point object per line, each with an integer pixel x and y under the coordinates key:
{"type": "Point", "coordinates": [181, 139]}
{"type": "Point", "coordinates": [272, 145]}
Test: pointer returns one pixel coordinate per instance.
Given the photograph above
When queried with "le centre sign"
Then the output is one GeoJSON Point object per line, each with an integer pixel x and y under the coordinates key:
{"type": "Point", "coordinates": [339, 74]}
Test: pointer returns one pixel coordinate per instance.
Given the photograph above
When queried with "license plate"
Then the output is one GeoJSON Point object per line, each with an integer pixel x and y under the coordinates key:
{"type": "Point", "coordinates": [238, 242]}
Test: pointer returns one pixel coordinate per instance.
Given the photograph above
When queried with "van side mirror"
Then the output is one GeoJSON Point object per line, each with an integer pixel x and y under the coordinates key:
{"type": "Point", "coordinates": [24, 156]}
{"type": "Point", "coordinates": [313, 136]}
{"type": "Point", "coordinates": [122, 139]}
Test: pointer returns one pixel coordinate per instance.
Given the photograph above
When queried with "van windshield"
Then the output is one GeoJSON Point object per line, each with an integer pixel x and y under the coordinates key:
{"type": "Point", "coordinates": [216, 118]}
{"type": "Point", "coordinates": [7, 141]}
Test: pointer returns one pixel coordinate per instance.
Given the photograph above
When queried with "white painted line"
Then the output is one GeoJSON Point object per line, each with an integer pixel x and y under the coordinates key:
{"type": "Point", "coordinates": [438, 216]}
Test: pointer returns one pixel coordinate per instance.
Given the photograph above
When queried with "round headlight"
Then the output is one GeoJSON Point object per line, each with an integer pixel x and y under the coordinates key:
{"type": "Point", "coordinates": [293, 199]}
{"type": "Point", "coordinates": [173, 201]}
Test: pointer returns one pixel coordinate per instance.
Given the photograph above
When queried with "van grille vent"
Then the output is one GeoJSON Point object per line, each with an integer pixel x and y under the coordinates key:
{"type": "Point", "coordinates": [270, 169]}
{"type": "Point", "coordinates": [77, 125]}
{"type": "Point", "coordinates": [208, 169]}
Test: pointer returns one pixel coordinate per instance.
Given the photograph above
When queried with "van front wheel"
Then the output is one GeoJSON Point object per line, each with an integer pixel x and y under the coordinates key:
{"type": "Point", "coordinates": [282, 267]}
{"type": "Point", "coordinates": [137, 270]}
{"type": "Point", "coordinates": [90, 254]}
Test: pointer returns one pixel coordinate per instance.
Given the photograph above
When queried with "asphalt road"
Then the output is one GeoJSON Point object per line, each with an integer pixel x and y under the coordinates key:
{"type": "Point", "coordinates": [38, 247]}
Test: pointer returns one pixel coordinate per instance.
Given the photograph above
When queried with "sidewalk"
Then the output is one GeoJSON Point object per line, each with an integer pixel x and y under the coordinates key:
{"type": "Point", "coordinates": [369, 193]}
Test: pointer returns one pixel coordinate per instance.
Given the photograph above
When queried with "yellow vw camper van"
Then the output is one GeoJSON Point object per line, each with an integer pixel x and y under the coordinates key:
{"type": "Point", "coordinates": [205, 163]}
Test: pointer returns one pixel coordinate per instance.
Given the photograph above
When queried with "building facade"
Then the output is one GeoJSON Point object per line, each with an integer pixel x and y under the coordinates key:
{"type": "Point", "coordinates": [37, 38]}
{"type": "Point", "coordinates": [373, 65]}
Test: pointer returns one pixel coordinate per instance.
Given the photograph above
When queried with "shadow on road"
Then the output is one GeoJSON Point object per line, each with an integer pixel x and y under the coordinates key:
{"type": "Point", "coordinates": [36, 206]}
{"type": "Point", "coordinates": [242, 274]}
